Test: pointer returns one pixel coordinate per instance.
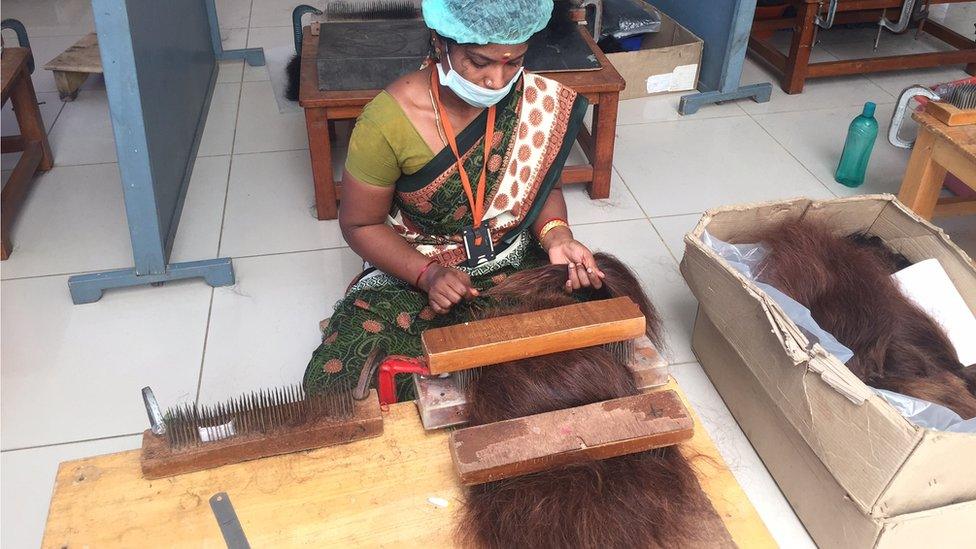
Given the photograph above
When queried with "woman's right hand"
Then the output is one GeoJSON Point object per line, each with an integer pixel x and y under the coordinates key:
{"type": "Point", "coordinates": [446, 287]}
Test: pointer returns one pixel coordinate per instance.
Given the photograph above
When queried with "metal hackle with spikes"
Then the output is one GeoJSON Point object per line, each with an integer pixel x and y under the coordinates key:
{"type": "Point", "coordinates": [260, 412]}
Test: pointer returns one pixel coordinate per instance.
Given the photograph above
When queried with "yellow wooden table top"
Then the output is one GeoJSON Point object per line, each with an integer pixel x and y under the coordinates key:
{"type": "Point", "coordinates": [372, 492]}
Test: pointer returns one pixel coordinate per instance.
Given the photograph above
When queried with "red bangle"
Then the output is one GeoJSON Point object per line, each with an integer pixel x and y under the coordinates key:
{"type": "Point", "coordinates": [422, 271]}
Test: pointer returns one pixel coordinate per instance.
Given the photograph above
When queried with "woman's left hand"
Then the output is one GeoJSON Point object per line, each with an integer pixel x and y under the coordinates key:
{"type": "Point", "coordinates": [581, 267]}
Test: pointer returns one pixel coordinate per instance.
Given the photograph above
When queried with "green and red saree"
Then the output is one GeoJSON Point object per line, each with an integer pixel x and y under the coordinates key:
{"type": "Point", "coordinates": [535, 127]}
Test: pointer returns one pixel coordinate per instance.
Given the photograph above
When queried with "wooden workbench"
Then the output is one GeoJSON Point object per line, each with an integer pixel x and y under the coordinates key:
{"type": "Point", "coordinates": [32, 142]}
{"type": "Point", "coordinates": [939, 148]}
{"type": "Point", "coordinates": [601, 87]}
{"type": "Point", "coordinates": [371, 492]}
{"type": "Point", "coordinates": [795, 67]}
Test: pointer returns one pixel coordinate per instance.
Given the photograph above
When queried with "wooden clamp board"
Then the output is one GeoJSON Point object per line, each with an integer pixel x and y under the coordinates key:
{"type": "Point", "coordinates": [159, 461]}
{"type": "Point", "coordinates": [950, 115]}
{"type": "Point", "coordinates": [519, 336]}
{"type": "Point", "coordinates": [397, 490]}
{"type": "Point", "coordinates": [601, 430]}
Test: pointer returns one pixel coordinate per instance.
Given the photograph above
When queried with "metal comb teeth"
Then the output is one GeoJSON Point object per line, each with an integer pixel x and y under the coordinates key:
{"type": "Point", "coordinates": [623, 352]}
{"type": "Point", "coordinates": [261, 412]}
{"type": "Point", "coordinates": [962, 96]}
{"type": "Point", "coordinates": [464, 378]}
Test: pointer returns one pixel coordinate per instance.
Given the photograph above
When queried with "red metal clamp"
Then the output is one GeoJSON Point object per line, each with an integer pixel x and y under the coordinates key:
{"type": "Point", "coordinates": [389, 368]}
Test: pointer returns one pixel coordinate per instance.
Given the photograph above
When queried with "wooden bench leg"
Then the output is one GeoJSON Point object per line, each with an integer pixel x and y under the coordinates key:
{"type": "Point", "coordinates": [29, 119]}
{"type": "Point", "coordinates": [320, 149]}
{"type": "Point", "coordinates": [923, 177]}
{"type": "Point", "coordinates": [604, 128]}
{"type": "Point", "coordinates": [69, 83]}
{"type": "Point", "coordinates": [796, 64]}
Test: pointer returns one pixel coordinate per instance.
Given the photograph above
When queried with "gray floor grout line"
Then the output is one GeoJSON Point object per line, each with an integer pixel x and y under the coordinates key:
{"type": "Point", "coordinates": [629, 190]}
{"type": "Point", "coordinates": [676, 259]}
{"type": "Point", "coordinates": [203, 352]}
{"type": "Point", "coordinates": [220, 234]}
{"type": "Point", "coordinates": [248, 256]}
{"type": "Point", "coordinates": [589, 223]}
{"type": "Point", "coordinates": [789, 152]}
{"type": "Point", "coordinates": [65, 443]}
{"type": "Point", "coordinates": [675, 215]}
{"type": "Point", "coordinates": [56, 165]}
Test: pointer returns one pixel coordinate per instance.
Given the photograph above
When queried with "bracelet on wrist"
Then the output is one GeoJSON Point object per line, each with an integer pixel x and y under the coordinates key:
{"type": "Point", "coordinates": [422, 271]}
{"type": "Point", "coordinates": [550, 225]}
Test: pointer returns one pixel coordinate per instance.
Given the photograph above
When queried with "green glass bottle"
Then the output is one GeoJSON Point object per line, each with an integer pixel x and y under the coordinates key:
{"type": "Point", "coordinates": [857, 149]}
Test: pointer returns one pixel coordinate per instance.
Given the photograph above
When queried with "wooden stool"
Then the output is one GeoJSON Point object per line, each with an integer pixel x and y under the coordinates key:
{"type": "Point", "coordinates": [938, 149]}
{"type": "Point", "coordinates": [32, 140]}
{"type": "Point", "coordinates": [73, 66]}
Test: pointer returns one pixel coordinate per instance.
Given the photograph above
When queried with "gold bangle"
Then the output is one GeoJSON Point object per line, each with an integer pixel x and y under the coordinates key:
{"type": "Point", "coordinates": [550, 225]}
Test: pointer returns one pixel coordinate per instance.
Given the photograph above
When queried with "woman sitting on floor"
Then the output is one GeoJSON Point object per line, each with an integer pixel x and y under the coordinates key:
{"type": "Point", "coordinates": [452, 233]}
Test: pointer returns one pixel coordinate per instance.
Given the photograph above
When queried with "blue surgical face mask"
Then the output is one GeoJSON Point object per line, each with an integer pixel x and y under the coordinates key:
{"type": "Point", "coordinates": [471, 93]}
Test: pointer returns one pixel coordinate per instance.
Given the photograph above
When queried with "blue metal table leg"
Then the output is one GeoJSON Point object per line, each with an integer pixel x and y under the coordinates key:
{"type": "Point", "coordinates": [253, 56]}
{"type": "Point", "coordinates": [760, 93]}
{"type": "Point", "coordinates": [88, 288]}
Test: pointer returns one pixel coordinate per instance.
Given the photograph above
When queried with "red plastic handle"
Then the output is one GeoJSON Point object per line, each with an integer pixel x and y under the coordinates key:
{"type": "Point", "coordinates": [389, 368]}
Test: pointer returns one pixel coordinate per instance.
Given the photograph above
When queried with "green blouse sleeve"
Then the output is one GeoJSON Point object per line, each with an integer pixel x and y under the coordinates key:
{"type": "Point", "coordinates": [371, 158]}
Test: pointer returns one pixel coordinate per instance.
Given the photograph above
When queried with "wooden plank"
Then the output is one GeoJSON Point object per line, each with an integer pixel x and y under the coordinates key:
{"type": "Point", "coordinates": [953, 206]}
{"type": "Point", "coordinates": [923, 177]}
{"type": "Point", "coordinates": [768, 52]}
{"type": "Point", "coordinates": [798, 66]}
{"type": "Point", "coordinates": [14, 60]}
{"type": "Point", "coordinates": [891, 63]}
{"type": "Point", "coordinates": [950, 115]}
{"type": "Point", "coordinates": [650, 369]}
{"type": "Point", "coordinates": [513, 337]}
{"type": "Point", "coordinates": [601, 430]}
{"type": "Point", "coordinates": [604, 136]}
{"type": "Point", "coordinates": [83, 56]}
{"type": "Point", "coordinates": [159, 460]}
{"type": "Point", "coordinates": [69, 83]}
{"type": "Point", "coordinates": [11, 143]}
{"type": "Point", "coordinates": [373, 492]}
{"type": "Point", "coordinates": [948, 35]}
{"type": "Point", "coordinates": [15, 192]}
{"type": "Point", "coordinates": [576, 174]}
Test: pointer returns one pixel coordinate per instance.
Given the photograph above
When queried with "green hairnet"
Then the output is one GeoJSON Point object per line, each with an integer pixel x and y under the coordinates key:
{"type": "Point", "coordinates": [487, 21]}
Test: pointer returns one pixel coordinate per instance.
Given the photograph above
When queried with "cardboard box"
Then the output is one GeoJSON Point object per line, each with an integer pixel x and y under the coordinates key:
{"type": "Point", "coordinates": [856, 472]}
{"type": "Point", "coordinates": [668, 60]}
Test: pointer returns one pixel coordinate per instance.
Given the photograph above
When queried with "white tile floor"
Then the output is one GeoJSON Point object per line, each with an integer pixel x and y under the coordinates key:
{"type": "Point", "coordinates": [71, 374]}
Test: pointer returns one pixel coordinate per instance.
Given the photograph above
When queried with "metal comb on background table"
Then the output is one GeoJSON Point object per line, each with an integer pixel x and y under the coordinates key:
{"type": "Point", "coordinates": [952, 103]}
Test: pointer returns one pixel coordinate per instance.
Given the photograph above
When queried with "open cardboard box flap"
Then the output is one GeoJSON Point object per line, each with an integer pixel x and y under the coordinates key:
{"type": "Point", "coordinates": [886, 465]}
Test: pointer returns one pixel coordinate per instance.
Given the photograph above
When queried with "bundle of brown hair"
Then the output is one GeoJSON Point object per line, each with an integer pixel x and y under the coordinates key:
{"type": "Point", "coordinates": [648, 499]}
{"type": "Point", "coordinates": [846, 283]}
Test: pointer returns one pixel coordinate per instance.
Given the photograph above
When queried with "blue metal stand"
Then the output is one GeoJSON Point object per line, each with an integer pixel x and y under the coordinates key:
{"type": "Point", "coordinates": [253, 56]}
{"type": "Point", "coordinates": [724, 26]}
{"type": "Point", "coordinates": [759, 93]}
{"type": "Point", "coordinates": [160, 66]}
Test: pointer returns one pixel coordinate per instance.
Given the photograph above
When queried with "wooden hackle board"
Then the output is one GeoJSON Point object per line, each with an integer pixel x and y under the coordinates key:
{"type": "Point", "coordinates": [524, 335]}
{"type": "Point", "coordinates": [372, 492]}
{"type": "Point", "coordinates": [159, 460]}
{"type": "Point", "coordinates": [601, 430]}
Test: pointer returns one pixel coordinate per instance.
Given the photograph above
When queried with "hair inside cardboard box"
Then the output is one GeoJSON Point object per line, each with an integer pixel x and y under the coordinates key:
{"type": "Point", "coordinates": [846, 283]}
{"type": "Point", "coordinates": [647, 499]}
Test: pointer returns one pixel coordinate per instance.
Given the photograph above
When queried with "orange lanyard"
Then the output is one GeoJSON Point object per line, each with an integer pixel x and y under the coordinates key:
{"type": "Point", "coordinates": [477, 205]}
